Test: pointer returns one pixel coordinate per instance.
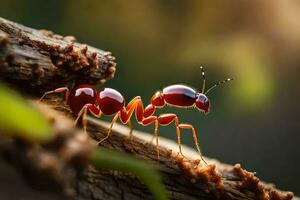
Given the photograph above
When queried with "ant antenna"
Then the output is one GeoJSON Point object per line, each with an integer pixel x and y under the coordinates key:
{"type": "Point", "coordinates": [219, 83]}
{"type": "Point", "coordinates": [203, 77]}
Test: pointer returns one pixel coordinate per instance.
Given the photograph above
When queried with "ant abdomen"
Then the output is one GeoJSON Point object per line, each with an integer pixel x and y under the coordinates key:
{"type": "Point", "coordinates": [80, 96]}
{"type": "Point", "coordinates": [110, 101]}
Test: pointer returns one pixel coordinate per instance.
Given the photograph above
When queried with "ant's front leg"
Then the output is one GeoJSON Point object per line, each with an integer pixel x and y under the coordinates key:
{"type": "Point", "coordinates": [58, 90]}
{"type": "Point", "coordinates": [166, 119]}
{"type": "Point", "coordinates": [188, 126]}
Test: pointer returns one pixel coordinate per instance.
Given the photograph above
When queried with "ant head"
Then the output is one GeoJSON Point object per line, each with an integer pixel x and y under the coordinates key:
{"type": "Point", "coordinates": [202, 102]}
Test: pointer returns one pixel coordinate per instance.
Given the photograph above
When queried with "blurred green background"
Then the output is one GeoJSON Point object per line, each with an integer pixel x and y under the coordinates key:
{"type": "Point", "coordinates": [254, 120]}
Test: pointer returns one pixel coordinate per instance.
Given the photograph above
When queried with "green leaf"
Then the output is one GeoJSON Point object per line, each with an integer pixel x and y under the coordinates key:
{"type": "Point", "coordinates": [108, 159]}
{"type": "Point", "coordinates": [18, 118]}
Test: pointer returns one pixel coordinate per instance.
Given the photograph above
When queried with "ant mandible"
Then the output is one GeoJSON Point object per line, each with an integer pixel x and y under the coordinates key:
{"type": "Point", "coordinates": [84, 98]}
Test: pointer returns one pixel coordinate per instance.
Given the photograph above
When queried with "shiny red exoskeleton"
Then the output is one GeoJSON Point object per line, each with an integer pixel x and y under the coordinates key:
{"type": "Point", "coordinates": [84, 99]}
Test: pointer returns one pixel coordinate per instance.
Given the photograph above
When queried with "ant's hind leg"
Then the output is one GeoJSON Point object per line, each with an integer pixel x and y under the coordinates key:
{"type": "Point", "coordinates": [110, 128]}
{"type": "Point", "coordinates": [58, 90]}
{"type": "Point", "coordinates": [83, 113]}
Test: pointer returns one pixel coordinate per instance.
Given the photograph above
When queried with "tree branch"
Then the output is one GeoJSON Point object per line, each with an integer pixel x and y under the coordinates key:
{"type": "Point", "coordinates": [41, 60]}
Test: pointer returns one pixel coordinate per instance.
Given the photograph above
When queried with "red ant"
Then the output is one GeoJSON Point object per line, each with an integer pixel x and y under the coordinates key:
{"type": "Point", "coordinates": [107, 101]}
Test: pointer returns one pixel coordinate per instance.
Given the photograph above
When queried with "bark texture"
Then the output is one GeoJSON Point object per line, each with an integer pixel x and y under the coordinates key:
{"type": "Point", "coordinates": [41, 60]}
{"type": "Point", "coordinates": [60, 166]}
{"type": "Point", "coordinates": [34, 60]}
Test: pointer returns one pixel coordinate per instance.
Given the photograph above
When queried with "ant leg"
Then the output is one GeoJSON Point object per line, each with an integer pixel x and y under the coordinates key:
{"type": "Point", "coordinates": [166, 119]}
{"type": "Point", "coordinates": [147, 121]}
{"type": "Point", "coordinates": [88, 107]}
{"type": "Point", "coordinates": [150, 141]}
{"type": "Point", "coordinates": [110, 128]}
{"type": "Point", "coordinates": [179, 137]}
{"type": "Point", "coordinates": [188, 126]}
{"type": "Point", "coordinates": [156, 138]}
{"type": "Point", "coordinates": [58, 90]}
{"type": "Point", "coordinates": [83, 112]}
{"type": "Point", "coordinates": [135, 104]}
{"type": "Point", "coordinates": [126, 113]}
{"type": "Point", "coordinates": [179, 140]}
{"type": "Point", "coordinates": [130, 129]}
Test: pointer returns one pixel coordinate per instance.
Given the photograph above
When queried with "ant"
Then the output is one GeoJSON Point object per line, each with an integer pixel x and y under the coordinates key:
{"type": "Point", "coordinates": [84, 99]}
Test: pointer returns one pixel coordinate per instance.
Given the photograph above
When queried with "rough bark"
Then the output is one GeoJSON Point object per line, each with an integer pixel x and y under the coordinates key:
{"type": "Point", "coordinates": [61, 169]}
{"type": "Point", "coordinates": [41, 60]}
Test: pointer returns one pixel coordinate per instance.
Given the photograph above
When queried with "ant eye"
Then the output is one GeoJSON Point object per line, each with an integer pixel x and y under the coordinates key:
{"type": "Point", "coordinates": [203, 99]}
{"type": "Point", "coordinates": [202, 103]}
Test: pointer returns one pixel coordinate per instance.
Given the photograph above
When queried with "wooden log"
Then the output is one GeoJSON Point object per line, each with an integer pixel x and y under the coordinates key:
{"type": "Point", "coordinates": [64, 168]}
{"type": "Point", "coordinates": [41, 60]}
